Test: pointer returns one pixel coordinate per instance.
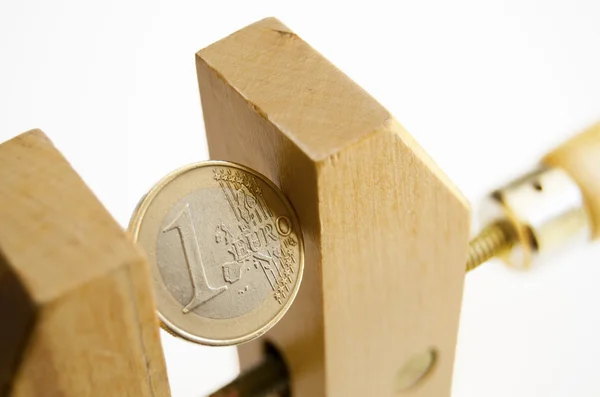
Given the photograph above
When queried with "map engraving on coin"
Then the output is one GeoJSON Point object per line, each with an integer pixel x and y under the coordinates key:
{"type": "Point", "coordinates": [225, 250]}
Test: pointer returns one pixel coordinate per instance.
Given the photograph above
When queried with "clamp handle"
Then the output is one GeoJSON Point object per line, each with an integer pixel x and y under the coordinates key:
{"type": "Point", "coordinates": [580, 158]}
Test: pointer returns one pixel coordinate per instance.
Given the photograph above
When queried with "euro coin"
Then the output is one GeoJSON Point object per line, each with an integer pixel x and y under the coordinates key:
{"type": "Point", "coordinates": [225, 251]}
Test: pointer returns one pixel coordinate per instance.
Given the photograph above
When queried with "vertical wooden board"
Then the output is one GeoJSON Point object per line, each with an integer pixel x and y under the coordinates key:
{"type": "Point", "coordinates": [394, 241]}
{"type": "Point", "coordinates": [94, 331]}
{"type": "Point", "coordinates": [386, 231]}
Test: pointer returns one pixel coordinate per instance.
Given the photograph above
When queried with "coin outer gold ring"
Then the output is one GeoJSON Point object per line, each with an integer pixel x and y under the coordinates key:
{"type": "Point", "coordinates": [136, 223]}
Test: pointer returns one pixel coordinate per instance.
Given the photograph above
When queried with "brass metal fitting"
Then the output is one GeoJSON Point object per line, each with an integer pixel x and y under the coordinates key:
{"type": "Point", "coordinates": [544, 209]}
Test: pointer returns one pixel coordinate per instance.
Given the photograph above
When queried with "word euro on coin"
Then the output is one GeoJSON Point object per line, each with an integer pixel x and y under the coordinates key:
{"type": "Point", "coordinates": [225, 251]}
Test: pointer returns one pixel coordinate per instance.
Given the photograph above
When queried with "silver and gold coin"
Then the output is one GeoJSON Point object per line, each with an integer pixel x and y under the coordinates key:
{"type": "Point", "coordinates": [225, 251]}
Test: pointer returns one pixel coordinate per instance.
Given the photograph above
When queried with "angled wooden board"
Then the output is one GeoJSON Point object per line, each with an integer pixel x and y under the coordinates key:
{"type": "Point", "coordinates": [75, 294]}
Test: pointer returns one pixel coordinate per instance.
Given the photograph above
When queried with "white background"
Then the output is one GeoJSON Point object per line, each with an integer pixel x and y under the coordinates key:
{"type": "Point", "coordinates": [485, 87]}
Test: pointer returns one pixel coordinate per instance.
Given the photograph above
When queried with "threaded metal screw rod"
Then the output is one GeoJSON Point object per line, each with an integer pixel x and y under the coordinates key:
{"type": "Point", "coordinates": [490, 242]}
{"type": "Point", "coordinates": [267, 378]}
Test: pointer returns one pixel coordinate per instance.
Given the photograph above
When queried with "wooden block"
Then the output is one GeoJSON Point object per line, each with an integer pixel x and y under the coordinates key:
{"type": "Point", "coordinates": [75, 294]}
{"type": "Point", "coordinates": [386, 232]}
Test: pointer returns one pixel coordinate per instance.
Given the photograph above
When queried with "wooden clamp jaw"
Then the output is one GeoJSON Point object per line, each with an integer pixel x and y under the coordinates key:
{"type": "Point", "coordinates": [75, 293]}
{"type": "Point", "coordinates": [386, 232]}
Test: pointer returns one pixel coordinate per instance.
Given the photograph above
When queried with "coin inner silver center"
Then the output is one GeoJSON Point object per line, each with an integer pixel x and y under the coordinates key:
{"type": "Point", "coordinates": [220, 252]}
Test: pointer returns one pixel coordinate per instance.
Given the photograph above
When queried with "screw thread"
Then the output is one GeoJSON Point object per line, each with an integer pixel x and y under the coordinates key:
{"type": "Point", "coordinates": [270, 377]}
{"type": "Point", "coordinates": [492, 240]}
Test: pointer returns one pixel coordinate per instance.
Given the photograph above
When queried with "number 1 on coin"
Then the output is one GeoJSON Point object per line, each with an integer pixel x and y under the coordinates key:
{"type": "Point", "coordinates": [187, 233]}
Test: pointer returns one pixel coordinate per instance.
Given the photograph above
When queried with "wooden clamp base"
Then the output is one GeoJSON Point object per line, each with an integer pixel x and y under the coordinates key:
{"type": "Point", "coordinates": [75, 294]}
{"type": "Point", "coordinates": [386, 232]}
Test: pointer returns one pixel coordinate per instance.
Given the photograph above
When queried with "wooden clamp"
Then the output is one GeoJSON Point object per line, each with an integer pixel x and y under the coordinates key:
{"type": "Point", "coordinates": [386, 237]}
{"type": "Point", "coordinates": [75, 294]}
{"type": "Point", "coordinates": [386, 232]}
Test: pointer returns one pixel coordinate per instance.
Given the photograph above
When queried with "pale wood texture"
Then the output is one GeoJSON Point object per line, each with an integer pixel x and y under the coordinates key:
{"type": "Point", "coordinates": [75, 294]}
{"type": "Point", "coordinates": [386, 232]}
{"type": "Point", "coordinates": [580, 157]}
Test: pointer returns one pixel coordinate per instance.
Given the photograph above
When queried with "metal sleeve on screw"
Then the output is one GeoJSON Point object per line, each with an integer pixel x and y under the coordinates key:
{"type": "Point", "coordinates": [544, 209]}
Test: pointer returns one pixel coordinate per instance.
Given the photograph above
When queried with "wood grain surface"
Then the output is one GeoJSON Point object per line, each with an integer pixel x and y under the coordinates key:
{"type": "Point", "coordinates": [580, 158]}
{"type": "Point", "coordinates": [75, 294]}
{"type": "Point", "coordinates": [386, 232]}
